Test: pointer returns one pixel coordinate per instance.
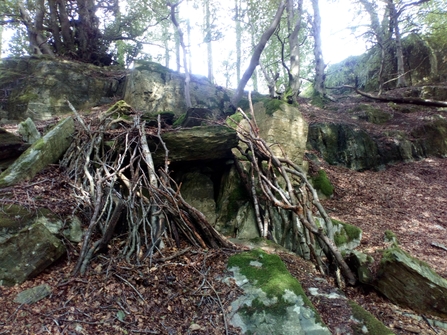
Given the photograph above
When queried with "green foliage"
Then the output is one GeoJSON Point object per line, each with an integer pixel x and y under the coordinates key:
{"type": "Point", "coordinates": [374, 326]}
{"type": "Point", "coordinates": [321, 182]}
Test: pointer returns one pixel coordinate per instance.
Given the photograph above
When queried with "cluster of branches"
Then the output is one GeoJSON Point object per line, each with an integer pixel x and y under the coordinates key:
{"type": "Point", "coordinates": [115, 182]}
{"type": "Point", "coordinates": [282, 196]}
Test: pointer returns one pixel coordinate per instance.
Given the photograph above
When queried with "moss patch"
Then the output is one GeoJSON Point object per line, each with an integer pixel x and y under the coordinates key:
{"type": "Point", "coordinates": [272, 105]}
{"type": "Point", "coordinates": [269, 273]}
{"type": "Point", "coordinates": [179, 121]}
{"type": "Point", "coordinates": [346, 234]}
{"type": "Point", "coordinates": [374, 326]}
{"type": "Point", "coordinates": [321, 182]}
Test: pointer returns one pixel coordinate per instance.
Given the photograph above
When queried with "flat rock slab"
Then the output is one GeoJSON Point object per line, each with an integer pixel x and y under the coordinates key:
{"type": "Point", "coordinates": [273, 301]}
{"type": "Point", "coordinates": [410, 282]}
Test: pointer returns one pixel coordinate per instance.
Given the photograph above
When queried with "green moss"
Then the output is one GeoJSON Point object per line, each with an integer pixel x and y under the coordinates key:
{"type": "Point", "coordinates": [179, 121]}
{"type": "Point", "coordinates": [272, 277]}
{"type": "Point", "coordinates": [390, 237]}
{"type": "Point", "coordinates": [235, 119]}
{"type": "Point", "coordinates": [321, 182]}
{"type": "Point", "coordinates": [375, 327]}
{"type": "Point", "coordinates": [272, 105]}
{"type": "Point", "coordinates": [347, 233]}
{"type": "Point", "coordinates": [119, 107]}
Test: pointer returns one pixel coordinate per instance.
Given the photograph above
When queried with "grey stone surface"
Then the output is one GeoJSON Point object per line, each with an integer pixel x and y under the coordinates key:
{"type": "Point", "coordinates": [38, 87]}
{"type": "Point", "coordinates": [45, 151]}
{"type": "Point", "coordinates": [28, 130]}
{"type": "Point", "coordinates": [28, 253]}
{"type": "Point", "coordinates": [409, 282]}
{"type": "Point", "coordinates": [33, 294]}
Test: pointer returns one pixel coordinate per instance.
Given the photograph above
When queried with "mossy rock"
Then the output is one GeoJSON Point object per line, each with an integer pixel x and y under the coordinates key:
{"type": "Point", "coordinates": [397, 267]}
{"type": "Point", "coordinates": [372, 114]}
{"type": "Point", "coordinates": [346, 234]}
{"type": "Point", "coordinates": [322, 183]}
{"type": "Point", "coordinates": [366, 323]}
{"type": "Point", "coordinates": [274, 301]}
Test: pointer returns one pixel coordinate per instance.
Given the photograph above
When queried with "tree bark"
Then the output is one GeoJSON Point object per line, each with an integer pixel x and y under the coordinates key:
{"type": "Point", "coordinates": [182, 44]}
{"type": "Point", "coordinates": [237, 9]}
{"type": "Point", "coordinates": [254, 61]}
{"type": "Point", "coordinates": [394, 25]}
{"type": "Point", "coordinates": [318, 53]}
{"type": "Point", "coordinates": [208, 39]}
{"type": "Point", "coordinates": [294, 45]}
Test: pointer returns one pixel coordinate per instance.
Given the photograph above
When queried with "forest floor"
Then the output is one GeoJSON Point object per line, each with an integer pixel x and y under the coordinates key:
{"type": "Point", "coordinates": [182, 291]}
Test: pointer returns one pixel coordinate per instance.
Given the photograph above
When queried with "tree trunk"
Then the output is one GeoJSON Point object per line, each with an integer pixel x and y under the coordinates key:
{"type": "Point", "coordinates": [394, 26]}
{"type": "Point", "coordinates": [66, 31]}
{"type": "Point", "coordinates": [237, 9]}
{"type": "Point", "coordinates": [318, 53]}
{"type": "Point", "coordinates": [54, 26]}
{"type": "Point", "coordinates": [208, 39]}
{"type": "Point", "coordinates": [254, 61]}
{"type": "Point", "coordinates": [185, 62]}
{"type": "Point", "coordinates": [294, 45]}
{"type": "Point", "coordinates": [37, 41]}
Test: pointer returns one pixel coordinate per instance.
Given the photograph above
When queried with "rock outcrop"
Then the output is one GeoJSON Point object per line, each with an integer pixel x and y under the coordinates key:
{"type": "Point", "coordinates": [153, 88]}
{"type": "Point", "coordinates": [357, 149]}
{"type": "Point", "coordinates": [407, 281]}
{"type": "Point", "coordinates": [38, 87]}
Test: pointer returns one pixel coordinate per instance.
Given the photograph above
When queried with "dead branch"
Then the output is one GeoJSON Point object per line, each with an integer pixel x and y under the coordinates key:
{"type": "Point", "coordinates": [400, 100]}
{"type": "Point", "coordinates": [114, 179]}
{"type": "Point", "coordinates": [281, 185]}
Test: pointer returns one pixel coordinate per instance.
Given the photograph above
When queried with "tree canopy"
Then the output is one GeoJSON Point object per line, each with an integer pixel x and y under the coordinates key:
{"type": "Point", "coordinates": [224, 35]}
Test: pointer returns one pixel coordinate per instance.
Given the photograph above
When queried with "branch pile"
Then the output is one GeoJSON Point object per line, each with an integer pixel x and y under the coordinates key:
{"type": "Point", "coordinates": [115, 182]}
{"type": "Point", "coordinates": [284, 199]}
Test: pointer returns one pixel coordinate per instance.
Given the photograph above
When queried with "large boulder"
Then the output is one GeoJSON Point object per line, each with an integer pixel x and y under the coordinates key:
{"type": "Point", "coordinates": [343, 144]}
{"type": "Point", "coordinates": [283, 127]}
{"type": "Point", "coordinates": [273, 301]}
{"type": "Point", "coordinates": [43, 152]}
{"type": "Point", "coordinates": [38, 87]}
{"type": "Point", "coordinates": [409, 282]}
{"type": "Point", "coordinates": [357, 149]}
{"type": "Point", "coordinates": [153, 88]}
{"type": "Point", "coordinates": [28, 253]}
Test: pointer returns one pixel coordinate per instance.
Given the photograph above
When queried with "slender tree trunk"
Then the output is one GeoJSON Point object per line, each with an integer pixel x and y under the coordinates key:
{"type": "Point", "coordinates": [294, 45]}
{"type": "Point", "coordinates": [1, 40]}
{"type": "Point", "coordinates": [182, 44]}
{"type": "Point", "coordinates": [166, 44]}
{"type": "Point", "coordinates": [318, 53]}
{"type": "Point", "coordinates": [254, 77]}
{"type": "Point", "coordinates": [237, 18]}
{"type": "Point", "coordinates": [254, 61]}
{"type": "Point", "coordinates": [394, 25]}
{"type": "Point", "coordinates": [209, 47]}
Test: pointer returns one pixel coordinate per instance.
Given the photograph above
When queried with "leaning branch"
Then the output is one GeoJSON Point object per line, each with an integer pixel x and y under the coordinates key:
{"type": "Point", "coordinates": [254, 61]}
{"type": "Point", "coordinates": [400, 100]}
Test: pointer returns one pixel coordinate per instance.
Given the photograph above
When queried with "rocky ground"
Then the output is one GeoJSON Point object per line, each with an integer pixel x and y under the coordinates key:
{"type": "Point", "coordinates": [181, 291]}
